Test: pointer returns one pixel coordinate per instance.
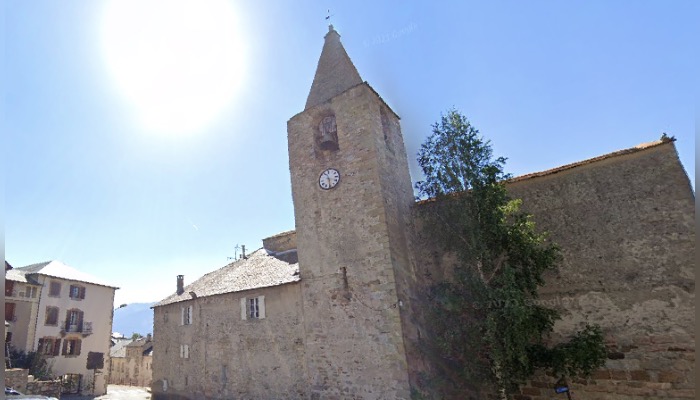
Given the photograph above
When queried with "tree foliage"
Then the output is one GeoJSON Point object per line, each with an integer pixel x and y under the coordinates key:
{"type": "Point", "coordinates": [488, 322]}
{"type": "Point", "coordinates": [36, 363]}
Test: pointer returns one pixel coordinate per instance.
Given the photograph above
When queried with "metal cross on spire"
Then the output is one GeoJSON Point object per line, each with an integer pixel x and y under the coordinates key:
{"type": "Point", "coordinates": [328, 16]}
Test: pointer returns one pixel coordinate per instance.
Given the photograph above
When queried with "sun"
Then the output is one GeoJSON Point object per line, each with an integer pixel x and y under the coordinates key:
{"type": "Point", "coordinates": [178, 63]}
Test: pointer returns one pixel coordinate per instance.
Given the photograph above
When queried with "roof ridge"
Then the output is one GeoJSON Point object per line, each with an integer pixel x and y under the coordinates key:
{"type": "Point", "coordinates": [640, 147]}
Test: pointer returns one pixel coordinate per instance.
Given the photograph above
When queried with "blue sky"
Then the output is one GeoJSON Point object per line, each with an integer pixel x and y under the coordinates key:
{"type": "Point", "coordinates": [92, 181]}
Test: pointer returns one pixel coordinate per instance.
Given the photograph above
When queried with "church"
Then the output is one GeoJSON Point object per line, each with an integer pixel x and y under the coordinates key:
{"type": "Point", "coordinates": [333, 309]}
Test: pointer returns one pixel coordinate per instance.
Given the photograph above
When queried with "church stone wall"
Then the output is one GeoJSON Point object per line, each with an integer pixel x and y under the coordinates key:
{"type": "Point", "coordinates": [626, 229]}
{"type": "Point", "coordinates": [354, 342]}
{"type": "Point", "coordinates": [625, 225]}
{"type": "Point", "coordinates": [231, 358]}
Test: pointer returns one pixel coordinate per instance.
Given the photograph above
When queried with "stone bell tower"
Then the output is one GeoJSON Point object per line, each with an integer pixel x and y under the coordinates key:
{"type": "Point", "coordinates": [352, 197]}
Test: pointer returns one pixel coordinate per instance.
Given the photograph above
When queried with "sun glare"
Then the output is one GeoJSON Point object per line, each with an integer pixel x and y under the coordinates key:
{"type": "Point", "coordinates": [177, 62]}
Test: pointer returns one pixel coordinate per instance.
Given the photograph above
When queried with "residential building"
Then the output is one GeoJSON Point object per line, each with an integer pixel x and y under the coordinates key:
{"type": "Point", "coordinates": [21, 307]}
{"type": "Point", "coordinates": [337, 308]}
{"type": "Point", "coordinates": [131, 362]}
{"type": "Point", "coordinates": [66, 315]}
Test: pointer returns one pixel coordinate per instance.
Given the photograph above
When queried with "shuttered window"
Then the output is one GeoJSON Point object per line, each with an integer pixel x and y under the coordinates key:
{"type": "Point", "coordinates": [253, 307]}
{"type": "Point", "coordinates": [186, 315]}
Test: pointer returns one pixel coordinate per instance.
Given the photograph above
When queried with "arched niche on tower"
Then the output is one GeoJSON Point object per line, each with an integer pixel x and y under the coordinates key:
{"type": "Point", "coordinates": [327, 132]}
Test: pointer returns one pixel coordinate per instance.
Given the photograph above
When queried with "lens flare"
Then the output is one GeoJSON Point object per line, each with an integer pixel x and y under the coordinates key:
{"type": "Point", "coordinates": [178, 63]}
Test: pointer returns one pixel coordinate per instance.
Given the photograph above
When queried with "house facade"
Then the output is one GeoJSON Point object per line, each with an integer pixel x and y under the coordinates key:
{"type": "Point", "coordinates": [337, 308]}
{"type": "Point", "coordinates": [131, 362]}
{"type": "Point", "coordinates": [21, 307]}
{"type": "Point", "coordinates": [69, 319]}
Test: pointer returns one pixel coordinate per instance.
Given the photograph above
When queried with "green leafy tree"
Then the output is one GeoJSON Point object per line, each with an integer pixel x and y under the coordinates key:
{"type": "Point", "coordinates": [36, 363]}
{"type": "Point", "coordinates": [136, 335]}
{"type": "Point", "coordinates": [488, 323]}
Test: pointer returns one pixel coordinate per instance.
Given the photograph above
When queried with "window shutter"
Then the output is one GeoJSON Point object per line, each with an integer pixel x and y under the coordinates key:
{"type": "Point", "coordinates": [78, 342]}
{"type": "Point", "coordinates": [261, 306]}
{"type": "Point", "coordinates": [82, 292]}
{"type": "Point", "coordinates": [189, 315]}
{"type": "Point", "coordinates": [244, 309]}
{"type": "Point", "coordinates": [187, 351]}
{"type": "Point", "coordinates": [182, 351]}
{"type": "Point", "coordinates": [182, 315]}
{"type": "Point", "coordinates": [65, 348]}
{"type": "Point", "coordinates": [40, 347]}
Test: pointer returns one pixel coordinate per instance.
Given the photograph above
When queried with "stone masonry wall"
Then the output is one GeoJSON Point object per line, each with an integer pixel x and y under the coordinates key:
{"type": "Point", "coordinates": [231, 358]}
{"type": "Point", "coordinates": [626, 229]}
{"type": "Point", "coordinates": [625, 225]}
{"type": "Point", "coordinates": [354, 342]}
{"type": "Point", "coordinates": [16, 378]}
{"type": "Point", "coordinates": [44, 388]}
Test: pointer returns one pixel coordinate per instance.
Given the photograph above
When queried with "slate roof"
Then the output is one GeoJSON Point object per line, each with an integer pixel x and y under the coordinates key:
{"type": "Point", "coordinates": [631, 150]}
{"type": "Point", "coordinates": [19, 276]}
{"type": "Point", "coordinates": [119, 348]}
{"type": "Point", "coordinates": [260, 269]}
{"type": "Point", "coordinates": [635, 149]}
{"type": "Point", "coordinates": [58, 269]}
{"type": "Point", "coordinates": [146, 345]}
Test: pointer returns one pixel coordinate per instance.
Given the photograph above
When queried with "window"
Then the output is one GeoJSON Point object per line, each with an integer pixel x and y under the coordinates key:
{"type": "Point", "coordinates": [51, 316]}
{"type": "Point", "coordinates": [9, 288]}
{"type": "Point", "coordinates": [184, 351]}
{"type": "Point", "coordinates": [30, 292]}
{"type": "Point", "coordinates": [8, 337]}
{"type": "Point", "coordinates": [10, 312]}
{"type": "Point", "coordinates": [253, 307]}
{"type": "Point", "coordinates": [55, 289]}
{"type": "Point", "coordinates": [186, 315]}
{"type": "Point", "coordinates": [74, 321]}
{"type": "Point", "coordinates": [49, 346]}
{"type": "Point", "coordinates": [71, 347]}
{"type": "Point", "coordinates": [77, 292]}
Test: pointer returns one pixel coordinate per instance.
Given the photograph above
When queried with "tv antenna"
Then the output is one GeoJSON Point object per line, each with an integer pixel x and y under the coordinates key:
{"type": "Point", "coordinates": [235, 253]}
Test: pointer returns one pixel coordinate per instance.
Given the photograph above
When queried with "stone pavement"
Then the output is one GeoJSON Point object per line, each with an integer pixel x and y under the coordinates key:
{"type": "Point", "coordinates": [115, 392]}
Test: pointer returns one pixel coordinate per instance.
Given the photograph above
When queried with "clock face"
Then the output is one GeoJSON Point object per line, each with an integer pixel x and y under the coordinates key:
{"type": "Point", "coordinates": [329, 179]}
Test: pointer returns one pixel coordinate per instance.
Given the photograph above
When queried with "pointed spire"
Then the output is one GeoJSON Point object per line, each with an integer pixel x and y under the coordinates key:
{"type": "Point", "coordinates": [335, 72]}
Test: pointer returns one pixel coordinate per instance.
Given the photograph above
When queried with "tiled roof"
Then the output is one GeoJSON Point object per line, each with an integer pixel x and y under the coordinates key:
{"type": "Point", "coordinates": [618, 153]}
{"type": "Point", "coordinates": [635, 149]}
{"type": "Point", "coordinates": [119, 348]}
{"type": "Point", "coordinates": [18, 276]}
{"type": "Point", "coordinates": [58, 269]}
{"type": "Point", "coordinates": [258, 270]}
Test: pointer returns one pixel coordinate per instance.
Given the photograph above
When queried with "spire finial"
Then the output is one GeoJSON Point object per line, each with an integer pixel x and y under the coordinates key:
{"type": "Point", "coordinates": [328, 18]}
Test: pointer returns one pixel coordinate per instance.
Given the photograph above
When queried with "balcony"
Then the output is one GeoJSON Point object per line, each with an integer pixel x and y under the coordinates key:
{"type": "Point", "coordinates": [84, 328]}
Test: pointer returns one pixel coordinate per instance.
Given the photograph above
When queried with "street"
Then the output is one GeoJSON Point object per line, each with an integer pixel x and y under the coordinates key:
{"type": "Point", "coordinates": [115, 392]}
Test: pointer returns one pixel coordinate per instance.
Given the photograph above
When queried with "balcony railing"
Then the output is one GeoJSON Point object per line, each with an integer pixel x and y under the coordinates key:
{"type": "Point", "coordinates": [85, 328]}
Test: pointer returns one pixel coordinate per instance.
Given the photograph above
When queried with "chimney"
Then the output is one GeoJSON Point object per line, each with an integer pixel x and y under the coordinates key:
{"type": "Point", "coordinates": [149, 337]}
{"type": "Point", "coordinates": [180, 284]}
{"type": "Point", "coordinates": [243, 251]}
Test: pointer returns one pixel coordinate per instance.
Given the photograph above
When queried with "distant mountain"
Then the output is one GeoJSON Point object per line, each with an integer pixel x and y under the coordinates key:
{"type": "Point", "coordinates": [134, 318]}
